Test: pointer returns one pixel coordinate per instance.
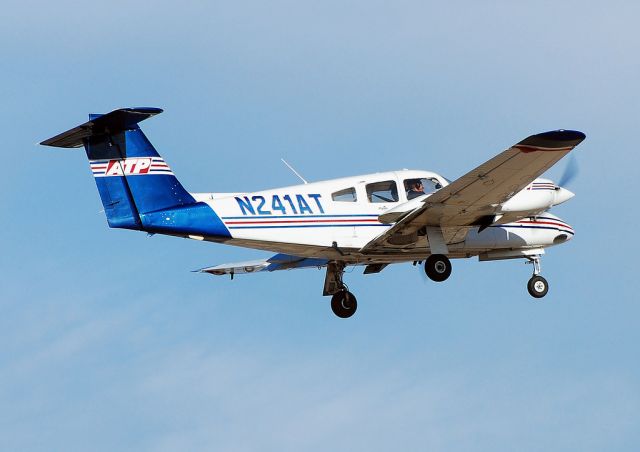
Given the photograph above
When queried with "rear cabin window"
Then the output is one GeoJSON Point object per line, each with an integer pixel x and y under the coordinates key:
{"type": "Point", "coordinates": [385, 191]}
{"type": "Point", "coordinates": [346, 195]}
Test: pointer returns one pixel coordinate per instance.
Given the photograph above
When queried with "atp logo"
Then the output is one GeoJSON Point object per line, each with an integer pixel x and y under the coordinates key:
{"type": "Point", "coordinates": [128, 166]}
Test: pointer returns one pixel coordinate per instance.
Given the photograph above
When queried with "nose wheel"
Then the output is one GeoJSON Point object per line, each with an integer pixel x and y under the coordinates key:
{"type": "Point", "coordinates": [537, 285]}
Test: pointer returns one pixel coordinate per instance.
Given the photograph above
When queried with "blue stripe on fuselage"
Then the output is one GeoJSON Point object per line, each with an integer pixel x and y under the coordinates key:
{"type": "Point", "coordinates": [245, 217]}
{"type": "Point", "coordinates": [191, 219]}
{"type": "Point", "coordinates": [309, 226]}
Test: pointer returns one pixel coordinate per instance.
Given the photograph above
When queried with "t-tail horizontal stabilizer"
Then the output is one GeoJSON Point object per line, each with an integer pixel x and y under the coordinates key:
{"type": "Point", "coordinates": [137, 188]}
{"type": "Point", "coordinates": [109, 124]}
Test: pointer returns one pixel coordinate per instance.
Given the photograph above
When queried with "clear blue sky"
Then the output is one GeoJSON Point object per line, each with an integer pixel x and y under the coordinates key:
{"type": "Point", "coordinates": [108, 342]}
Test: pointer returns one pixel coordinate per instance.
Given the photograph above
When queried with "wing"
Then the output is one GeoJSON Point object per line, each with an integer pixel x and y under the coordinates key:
{"type": "Point", "coordinates": [477, 196]}
{"type": "Point", "coordinates": [277, 262]}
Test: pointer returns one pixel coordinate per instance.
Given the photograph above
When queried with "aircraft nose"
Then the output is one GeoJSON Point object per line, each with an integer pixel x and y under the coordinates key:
{"type": "Point", "coordinates": [562, 195]}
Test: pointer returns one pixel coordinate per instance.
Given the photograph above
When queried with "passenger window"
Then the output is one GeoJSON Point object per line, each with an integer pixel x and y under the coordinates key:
{"type": "Point", "coordinates": [346, 195]}
{"type": "Point", "coordinates": [385, 191]}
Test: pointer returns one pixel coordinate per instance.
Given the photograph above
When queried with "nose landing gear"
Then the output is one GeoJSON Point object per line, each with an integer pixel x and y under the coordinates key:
{"type": "Point", "coordinates": [537, 285]}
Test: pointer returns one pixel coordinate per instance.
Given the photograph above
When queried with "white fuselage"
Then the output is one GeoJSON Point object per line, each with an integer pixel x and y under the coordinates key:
{"type": "Point", "coordinates": [328, 218]}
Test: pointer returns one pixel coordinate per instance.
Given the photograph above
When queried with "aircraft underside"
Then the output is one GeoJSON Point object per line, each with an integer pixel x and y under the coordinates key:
{"type": "Point", "coordinates": [525, 239]}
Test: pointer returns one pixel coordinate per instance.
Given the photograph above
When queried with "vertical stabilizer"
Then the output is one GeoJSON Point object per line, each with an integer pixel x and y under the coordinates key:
{"type": "Point", "coordinates": [131, 176]}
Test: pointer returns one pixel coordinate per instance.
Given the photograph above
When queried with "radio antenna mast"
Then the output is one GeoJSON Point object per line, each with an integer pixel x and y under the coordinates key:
{"type": "Point", "coordinates": [294, 171]}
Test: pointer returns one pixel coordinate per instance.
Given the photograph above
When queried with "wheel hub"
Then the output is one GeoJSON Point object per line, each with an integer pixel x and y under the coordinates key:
{"type": "Point", "coordinates": [537, 286]}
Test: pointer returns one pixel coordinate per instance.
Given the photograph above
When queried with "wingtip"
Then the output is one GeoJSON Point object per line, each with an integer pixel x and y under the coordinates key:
{"type": "Point", "coordinates": [145, 110]}
{"type": "Point", "coordinates": [554, 139]}
{"type": "Point", "coordinates": [563, 135]}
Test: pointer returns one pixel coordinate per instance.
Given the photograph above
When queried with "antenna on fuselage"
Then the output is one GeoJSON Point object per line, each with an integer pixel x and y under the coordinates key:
{"type": "Point", "coordinates": [294, 171]}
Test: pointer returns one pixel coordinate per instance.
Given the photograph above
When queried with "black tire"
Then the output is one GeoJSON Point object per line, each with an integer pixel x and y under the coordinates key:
{"type": "Point", "coordinates": [537, 287]}
{"type": "Point", "coordinates": [437, 267]}
{"type": "Point", "coordinates": [344, 304]}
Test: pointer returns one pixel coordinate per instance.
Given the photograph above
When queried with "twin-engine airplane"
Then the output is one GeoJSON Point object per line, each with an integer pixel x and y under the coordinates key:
{"type": "Point", "coordinates": [498, 210]}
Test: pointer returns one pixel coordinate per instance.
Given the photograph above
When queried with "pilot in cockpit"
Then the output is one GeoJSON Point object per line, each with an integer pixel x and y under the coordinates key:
{"type": "Point", "coordinates": [415, 189]}
{"type": "Point", "coordinates": [419, 187]}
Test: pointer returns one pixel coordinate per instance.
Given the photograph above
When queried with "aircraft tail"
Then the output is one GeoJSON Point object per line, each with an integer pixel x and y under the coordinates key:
{"type": "Point", "coordinates": [137, 188]}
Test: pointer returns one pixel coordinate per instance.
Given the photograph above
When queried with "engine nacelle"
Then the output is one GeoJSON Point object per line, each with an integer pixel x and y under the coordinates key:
{"type": "Point", "coordinates": [538, 196]}
{"type": "Point", "coordinates": [541, 231]}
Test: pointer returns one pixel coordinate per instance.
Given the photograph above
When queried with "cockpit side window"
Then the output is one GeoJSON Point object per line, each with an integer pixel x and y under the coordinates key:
{"type": "Point", "coordinates": [346, 195]}
{"type": "Point", "coordinates": [418, 187]}
{"type": "Point", "coordinates": [385, 191]}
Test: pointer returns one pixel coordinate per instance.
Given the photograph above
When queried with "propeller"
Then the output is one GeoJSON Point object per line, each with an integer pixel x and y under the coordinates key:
{"type": "Point", "coordinates": [569, 174]}
{"type": "Point", "coordinates": [570, 171]}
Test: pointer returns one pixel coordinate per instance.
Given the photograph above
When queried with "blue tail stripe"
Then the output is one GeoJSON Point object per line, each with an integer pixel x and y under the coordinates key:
{"type": "Point", "coordinates": [155, 192]}
{"type": "Point", "coordinates": [193, 219]}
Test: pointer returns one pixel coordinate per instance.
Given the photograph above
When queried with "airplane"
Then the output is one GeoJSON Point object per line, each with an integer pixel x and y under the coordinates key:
{"type": "Point", "coordinates": [499, 210]}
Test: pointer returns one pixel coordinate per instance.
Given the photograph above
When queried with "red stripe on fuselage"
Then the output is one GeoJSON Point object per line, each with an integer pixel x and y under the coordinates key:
{"type": "Point", "coordinates": [552, 223]}
{"type": "Point", "coordinates": [303, 221]}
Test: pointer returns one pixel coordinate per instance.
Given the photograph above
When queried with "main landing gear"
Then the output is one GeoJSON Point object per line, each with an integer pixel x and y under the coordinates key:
{"type": "Point", "coordinates": [437, 267]}
{"type": "Point", "coordinates": [537, 285]}
{"type": "Point", "coordinates": [343, 302]}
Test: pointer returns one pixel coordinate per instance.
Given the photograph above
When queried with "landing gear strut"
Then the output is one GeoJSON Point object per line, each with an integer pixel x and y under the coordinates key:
{"type": "Point", "coordinates": [437, 267]}
{"type": "Point", "coordinates": [343, 302]}
{"type": "Point", "coordinates": [537, 285]}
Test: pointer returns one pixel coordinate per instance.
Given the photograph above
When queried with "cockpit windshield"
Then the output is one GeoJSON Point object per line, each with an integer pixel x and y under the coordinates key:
{"type": "Point", "coordinates": [422, 186]}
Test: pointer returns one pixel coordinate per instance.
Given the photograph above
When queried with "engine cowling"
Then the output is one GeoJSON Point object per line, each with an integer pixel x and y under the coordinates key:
{"type": "Point", "coordinates": [538, 196]}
